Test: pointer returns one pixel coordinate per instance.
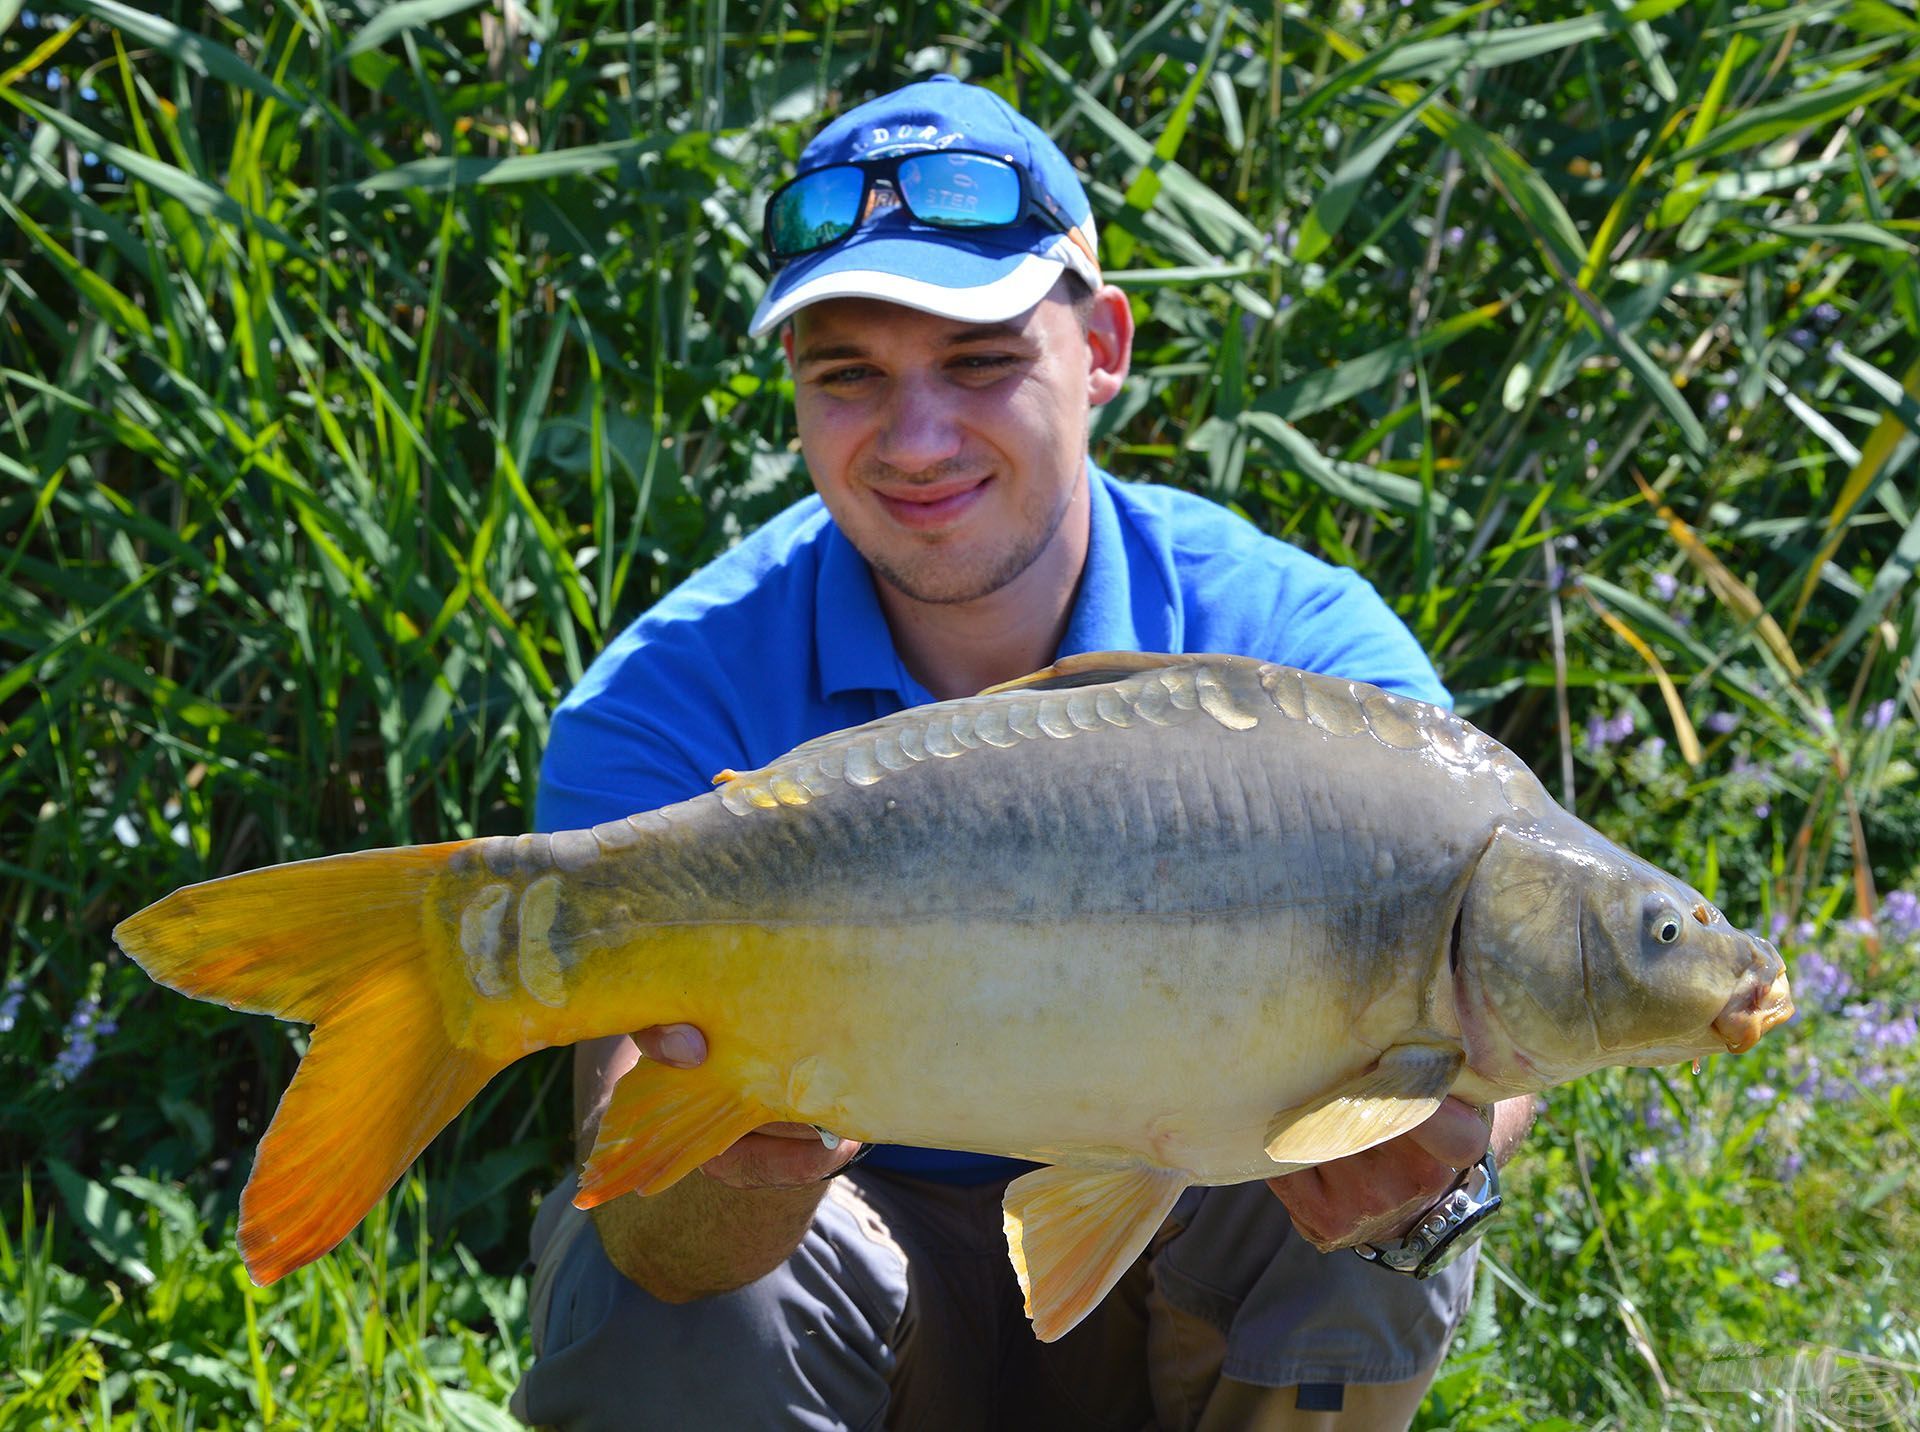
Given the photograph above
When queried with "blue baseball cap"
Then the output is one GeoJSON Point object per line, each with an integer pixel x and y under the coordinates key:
{"type": "Point", "coordinates": [975, 276]}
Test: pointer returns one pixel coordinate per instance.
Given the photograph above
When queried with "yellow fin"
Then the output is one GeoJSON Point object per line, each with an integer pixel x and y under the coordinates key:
{"type": "Point", "coordinates": [1403, 1087]}
{"type": "Point", "coordinates": [661, 1124]}
{"type": "Point", "coordinates": [379, 1081]}
{"type": "Point", "coordinates": [342, 943]}
{"type": "Point", "coordinates": [1071, 1234]}
{"type": "Point", "coordinates": [1095, 667]}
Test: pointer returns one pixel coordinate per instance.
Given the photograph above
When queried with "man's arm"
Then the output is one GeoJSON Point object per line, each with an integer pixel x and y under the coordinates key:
{"type": "Point", "coordinates": [733, 1220]}
{"type": "Point", "coordinates": [1377, 1195]}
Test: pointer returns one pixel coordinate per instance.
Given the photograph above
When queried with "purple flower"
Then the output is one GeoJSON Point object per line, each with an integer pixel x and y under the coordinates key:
{"type": "Point", "coordinates": [1899, 912]}
{"type": "Point", "coordinates": [10, 1004]}
{"type": "Point", "coordinates": [1777, 926]}
{"type": "Point", "coordinates": [1762, 1093]}
{"type": "Point", "coordinates": [1665, 586]}
{"type": "Point", "coordinates": [1881, 716]}
{"type": "Point", "coordinates": [1644, 1158]}
{"type": "Point", "coordinates": [1825, 313]}
{"type": "Point", "coordinates": [1819, 982]}
{"type": "Point", "coordinates": [1654, 745]}
{"type": "Point", "coordinates": [1721, 722]}
{"type": "Point", "coordinates": [1609, 730]}
{"type": "Point", "coordinates": [1786, 1278]}
{"type": "Point", "coordinates": [1656, 1118]}
{"type": "Point", "coordinates": [1762, 811]}
{"type": "Point", "coordinates": [1718, 404]}
{"type": "Point", "coordinates": [85, 1029]}
{"type": "Point", "coordinates": [1790, 1167]}
{"type": "Point", "coordinates": [1454, 237]}
{"type": "Point", "coordinates": [1801, 338]}
{"type": "Point", "coordinates": [1876, 1027]}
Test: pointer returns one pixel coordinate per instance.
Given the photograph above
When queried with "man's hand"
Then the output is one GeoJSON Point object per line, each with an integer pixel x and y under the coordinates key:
{"type": "Point", "coordinates": [1376, 1195]}
{"type": "Point", "coordinates": [780, 1155]}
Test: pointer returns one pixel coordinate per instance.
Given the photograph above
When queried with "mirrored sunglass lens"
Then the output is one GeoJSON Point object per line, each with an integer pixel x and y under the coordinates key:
{"type": "Point", "coordinates": [960, 191]}
{"type": "Point", "coordinates": [816, 209]}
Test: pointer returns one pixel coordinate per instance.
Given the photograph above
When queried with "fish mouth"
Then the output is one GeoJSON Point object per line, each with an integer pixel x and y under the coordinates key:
{"type": "Point", "coordinates": [1762, 1001]}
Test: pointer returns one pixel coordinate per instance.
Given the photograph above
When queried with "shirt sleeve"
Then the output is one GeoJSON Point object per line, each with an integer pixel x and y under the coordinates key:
{"type": "Point", "coordinates": [1345, 628]}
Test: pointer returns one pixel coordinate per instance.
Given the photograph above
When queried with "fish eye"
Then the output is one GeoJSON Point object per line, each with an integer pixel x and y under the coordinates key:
{"type": "Point", "coordinates": [1664, 922]}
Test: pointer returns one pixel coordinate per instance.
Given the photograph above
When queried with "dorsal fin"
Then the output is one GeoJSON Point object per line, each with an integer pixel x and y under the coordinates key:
{"type": "Point", "coordinates": [1093, 668]}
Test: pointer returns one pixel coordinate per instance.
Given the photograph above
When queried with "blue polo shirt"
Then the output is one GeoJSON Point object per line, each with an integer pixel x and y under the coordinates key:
{"type": "Point", "coordinates": [782, 639]}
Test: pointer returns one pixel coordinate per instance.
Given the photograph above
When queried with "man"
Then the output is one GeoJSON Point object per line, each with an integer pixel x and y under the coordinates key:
{"type": "Point", "coordinates": [941, 307]}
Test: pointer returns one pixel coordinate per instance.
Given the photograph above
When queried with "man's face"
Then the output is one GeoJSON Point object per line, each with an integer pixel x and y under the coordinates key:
{"type": "Point", "coordinates": [950, 453]}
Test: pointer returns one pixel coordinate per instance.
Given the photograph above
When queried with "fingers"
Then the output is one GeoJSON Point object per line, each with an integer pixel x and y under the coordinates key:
{"type": "Point", "coordinates": [680, 1045]}
{"type": "Point", "coordinates": [1456, 1134]}
{"type": "Point", "coordinates": [1369, 1197]}
{"type": "Point", "coordinates": [779, 1156]}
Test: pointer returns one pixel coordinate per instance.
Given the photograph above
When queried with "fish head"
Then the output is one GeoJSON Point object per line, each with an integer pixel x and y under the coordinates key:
{"type": "Point", "coordinates": [1575, 954]}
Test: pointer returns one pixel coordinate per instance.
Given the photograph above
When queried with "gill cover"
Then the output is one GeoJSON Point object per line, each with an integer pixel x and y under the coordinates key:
{"type": "Point", "coordinates": [1585, 955]}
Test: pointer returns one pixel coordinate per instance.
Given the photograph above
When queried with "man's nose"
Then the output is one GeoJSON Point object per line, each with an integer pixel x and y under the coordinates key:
{"type": "Point", "coordinates": [918, 430]}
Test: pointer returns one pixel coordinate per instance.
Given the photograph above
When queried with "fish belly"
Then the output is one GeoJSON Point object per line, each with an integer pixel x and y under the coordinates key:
{"type": "Point", "coordinates": [1128, 943]}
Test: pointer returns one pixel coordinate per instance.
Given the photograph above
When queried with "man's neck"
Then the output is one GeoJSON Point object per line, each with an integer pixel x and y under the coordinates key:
{"type": "Point", "coordinates": [958, 648]}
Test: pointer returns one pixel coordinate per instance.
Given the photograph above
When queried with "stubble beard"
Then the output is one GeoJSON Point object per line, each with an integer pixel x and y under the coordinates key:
{"type": "Point", "coordinates": [930, 575]}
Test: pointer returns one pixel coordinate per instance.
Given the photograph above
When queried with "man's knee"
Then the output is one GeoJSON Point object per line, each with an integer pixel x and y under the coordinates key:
{"type": "Point", "coordinates": [809, 1345]}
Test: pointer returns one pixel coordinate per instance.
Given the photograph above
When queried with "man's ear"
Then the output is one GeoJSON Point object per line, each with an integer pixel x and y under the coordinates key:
{"type": "Point", "coordinates": [1109, 344]}
{"type": "Point", "coordinates": [786, 343]}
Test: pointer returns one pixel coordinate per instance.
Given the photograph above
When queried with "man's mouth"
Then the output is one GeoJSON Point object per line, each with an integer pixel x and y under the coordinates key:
{"type": "Point", "coordinates": [933, 505]}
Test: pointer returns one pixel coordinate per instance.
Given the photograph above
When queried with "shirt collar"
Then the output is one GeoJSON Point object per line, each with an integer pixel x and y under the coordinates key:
{"type": "Point", "coordinates": [855, 646]}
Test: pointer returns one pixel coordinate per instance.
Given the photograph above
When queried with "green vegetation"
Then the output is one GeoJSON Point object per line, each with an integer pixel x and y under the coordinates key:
{"type": "Point", "coordinates": [363, 369]}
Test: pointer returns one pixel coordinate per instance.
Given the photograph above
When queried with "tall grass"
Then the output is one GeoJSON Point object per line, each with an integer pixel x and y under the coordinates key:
{"type": "Point", "coordinates": [362, 373]}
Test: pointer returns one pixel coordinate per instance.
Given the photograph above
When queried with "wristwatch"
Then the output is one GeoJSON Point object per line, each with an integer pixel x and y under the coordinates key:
{"type": "Point", "coordinates": [1447, 1229]}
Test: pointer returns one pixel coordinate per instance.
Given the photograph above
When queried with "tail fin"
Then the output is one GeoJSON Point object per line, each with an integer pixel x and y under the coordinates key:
{"type": "Point", "coordinates": [342, 943]}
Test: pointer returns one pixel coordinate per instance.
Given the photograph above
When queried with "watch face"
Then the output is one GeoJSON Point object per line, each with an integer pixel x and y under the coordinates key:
{"type": "Point", "coordinates": [1457, 1239]}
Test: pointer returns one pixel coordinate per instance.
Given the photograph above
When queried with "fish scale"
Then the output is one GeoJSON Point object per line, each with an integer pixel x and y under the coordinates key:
{"type": "Point", "coordinates": [1150, 920]}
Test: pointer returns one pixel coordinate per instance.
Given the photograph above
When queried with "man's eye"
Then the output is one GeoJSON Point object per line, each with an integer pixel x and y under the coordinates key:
{"type": "Point", "coordinates": [984, 362]}
{"type": "Point", "coordinates": [841, 377]}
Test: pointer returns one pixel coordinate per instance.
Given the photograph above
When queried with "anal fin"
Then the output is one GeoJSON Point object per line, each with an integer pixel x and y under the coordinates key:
{"type": "Point", "coordinates": [660, 1125]}
{"type": "Point", "coordinates": [1399, 1092]}
{"type": "Point", "coordinates": [1071, 1234]}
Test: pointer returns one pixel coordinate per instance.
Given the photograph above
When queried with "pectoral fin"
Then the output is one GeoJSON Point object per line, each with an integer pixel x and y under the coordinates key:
{"type": "Point", "coordinates": [1404, 1086]}
{"type": "Point", "coordinates": [1094, 668]}
{"type": "Point", "coordinates": [661, 1124]}
{"type": "Point", "coordinates": [1071, 1234]}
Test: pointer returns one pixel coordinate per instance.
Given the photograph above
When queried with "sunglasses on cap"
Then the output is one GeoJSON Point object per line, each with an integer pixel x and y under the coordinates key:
{"type": "Point", "coordinates": [962, 189]}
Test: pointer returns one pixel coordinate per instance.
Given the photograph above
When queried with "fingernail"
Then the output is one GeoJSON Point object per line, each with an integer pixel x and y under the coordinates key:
{"type": "Point", "coordinates": [681, 1044]}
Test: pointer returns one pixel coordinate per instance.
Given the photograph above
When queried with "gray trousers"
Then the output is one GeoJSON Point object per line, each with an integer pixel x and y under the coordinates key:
{"type": "Point", "coordinates": [900, 1309]}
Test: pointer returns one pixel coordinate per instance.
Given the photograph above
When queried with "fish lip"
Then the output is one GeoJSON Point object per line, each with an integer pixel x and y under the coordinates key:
{"type": "Point", "coordinates": [1761, 1001]}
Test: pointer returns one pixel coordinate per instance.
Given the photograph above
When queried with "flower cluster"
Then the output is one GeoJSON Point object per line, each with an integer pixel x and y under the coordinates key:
{"type": "Point", "coordinates": [1900, 914]}
{"type": "Point", "coordinates": [1818, 983]}
{"type": "Point", "coordinates": [85, 1029]}
{"type": "Point", "coordinates": [1881, 715]}
{"type": "Point", "coordinates": [1609, 730]}
{"type": "Point", "coordinates": [16, 991]}
{"type": "Point", "coordinates": [1878, 1027]}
